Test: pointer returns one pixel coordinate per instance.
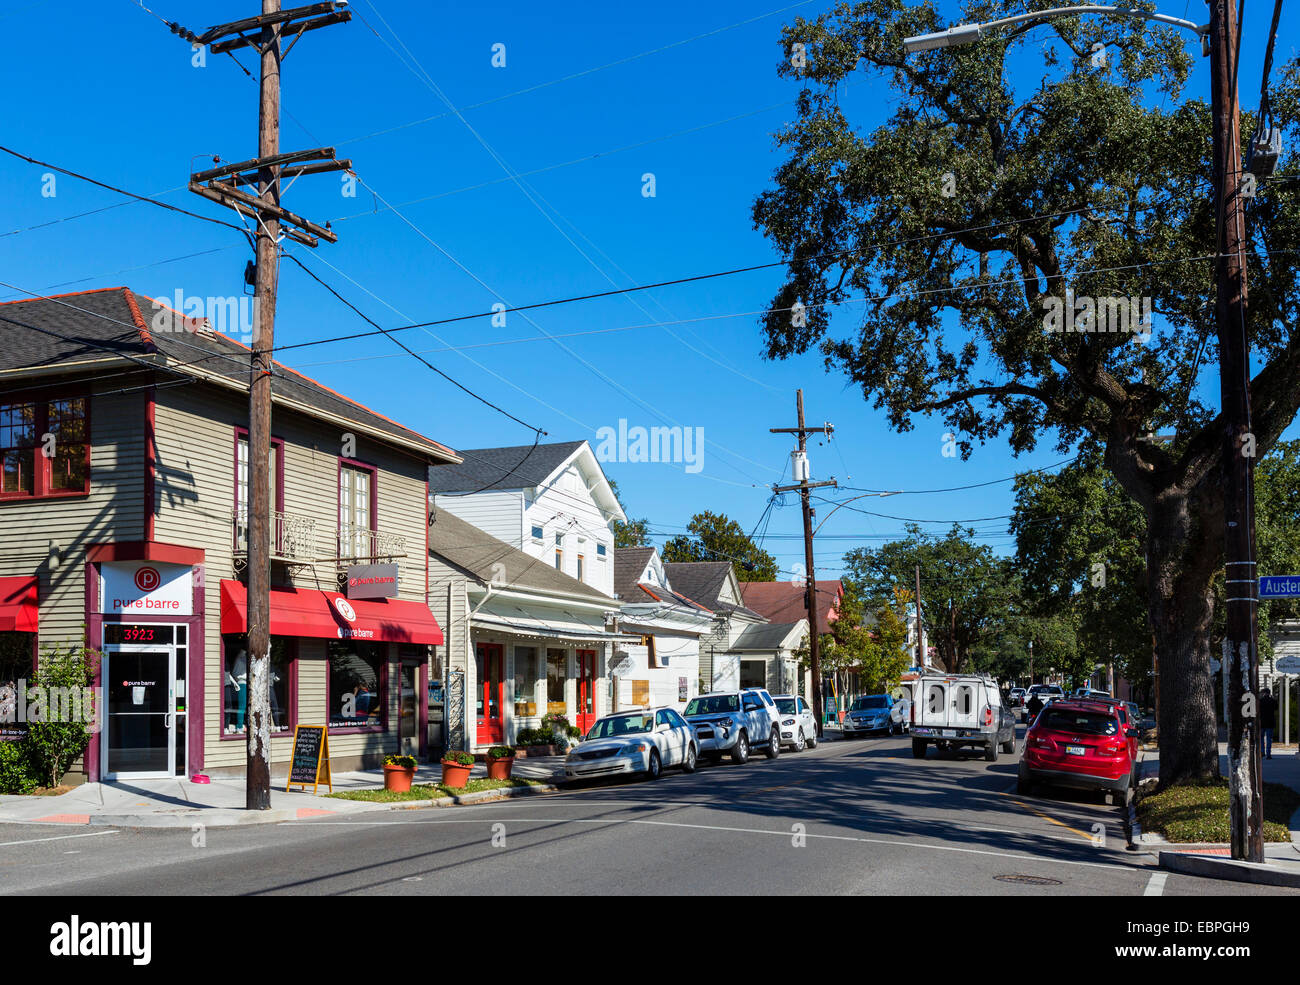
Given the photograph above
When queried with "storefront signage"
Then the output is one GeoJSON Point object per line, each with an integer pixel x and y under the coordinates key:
{"type": "Point", "coordinates": [372, 581]}
{"type": "Point", "coordinates": [310, 764]}
{"type": "Point", "coordinates": [146, 588]}
{"type": "Point", "coordinates": [682, 689]}
{"type": "Point", "coordinates": [122, 632]}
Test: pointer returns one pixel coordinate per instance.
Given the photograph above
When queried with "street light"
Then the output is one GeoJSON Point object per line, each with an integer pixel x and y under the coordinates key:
{"type": "Point", "coordinates": [966, 33]}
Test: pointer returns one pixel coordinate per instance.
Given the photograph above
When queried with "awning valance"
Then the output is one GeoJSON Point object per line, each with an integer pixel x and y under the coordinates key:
{"type": "Point", "coordinates": [329, 615]}
{"type": "Point", "coordinates": [543, 624]}
{"type": "Point", "coordinates": [18, 608]}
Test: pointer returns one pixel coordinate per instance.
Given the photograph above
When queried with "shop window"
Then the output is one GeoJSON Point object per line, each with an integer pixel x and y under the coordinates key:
{"type": "Point", "coordinates": [557, 667]}
{"type": "Point", "coordinates": [16, 651]}
{"type": "Point", "coordinates": [356, 685]}
{"type": "Point", "coordinates": [234, 691]}
{"type": "Point", "coordinates": [527, 674]}
{"type": "Point", "coordinates": [45, 448]}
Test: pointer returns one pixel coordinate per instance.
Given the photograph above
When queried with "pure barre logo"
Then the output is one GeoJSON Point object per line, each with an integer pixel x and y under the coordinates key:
{"type": "Point", "coordinates": [102, 939]}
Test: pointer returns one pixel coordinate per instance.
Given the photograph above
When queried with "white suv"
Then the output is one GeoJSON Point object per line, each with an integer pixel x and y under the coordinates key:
{"type": "Point", "coordinates": [735, 722]}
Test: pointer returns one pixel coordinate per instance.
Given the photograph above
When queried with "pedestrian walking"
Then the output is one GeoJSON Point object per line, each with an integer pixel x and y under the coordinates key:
{"type": "Point", "coordinates": [1267, 721]}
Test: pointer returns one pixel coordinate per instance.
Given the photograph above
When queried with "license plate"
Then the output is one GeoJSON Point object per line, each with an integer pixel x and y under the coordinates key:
{"type": "Point", "coordinates": [948, 733]}
{"type": "Point", "coordinates": [1076, 751]}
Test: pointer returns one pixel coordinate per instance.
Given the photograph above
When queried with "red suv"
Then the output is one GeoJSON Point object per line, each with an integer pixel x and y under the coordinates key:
{"type": "Point", "coordinates": [1079, 743]}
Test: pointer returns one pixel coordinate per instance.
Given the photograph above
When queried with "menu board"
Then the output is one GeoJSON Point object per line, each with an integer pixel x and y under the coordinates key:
{"type": "Point", "coordinates": [311, 758]}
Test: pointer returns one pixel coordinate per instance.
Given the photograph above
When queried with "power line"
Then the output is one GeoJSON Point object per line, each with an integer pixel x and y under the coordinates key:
{"type": "Point", "coordinates": [975, 485]}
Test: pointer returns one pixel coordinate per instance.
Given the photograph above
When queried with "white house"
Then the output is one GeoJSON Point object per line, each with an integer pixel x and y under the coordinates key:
{"type": "Point", "coordinates": [551, 501]}
{"type": "Point", "coordinates": [664, 667]}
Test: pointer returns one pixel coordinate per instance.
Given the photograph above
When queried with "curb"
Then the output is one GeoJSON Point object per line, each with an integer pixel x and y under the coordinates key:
{"type": "Point", "coordinates": [1213, 867]}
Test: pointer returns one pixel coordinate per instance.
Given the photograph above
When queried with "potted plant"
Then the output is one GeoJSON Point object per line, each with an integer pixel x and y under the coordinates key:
{"type": "Point", "coordinates": [455, 768]}
{"type": "Point", "coordinates": [399, 771]}
{"type": "Point", "coordinates": [500, 761]}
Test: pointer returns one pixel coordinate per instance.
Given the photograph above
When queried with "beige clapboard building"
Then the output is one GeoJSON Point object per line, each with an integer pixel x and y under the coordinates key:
{"type": "Point", "coordinates": [123, 508]}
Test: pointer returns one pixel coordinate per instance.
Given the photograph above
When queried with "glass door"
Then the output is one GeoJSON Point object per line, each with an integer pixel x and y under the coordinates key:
{"type": "Point", "coordinates": [140, 727]}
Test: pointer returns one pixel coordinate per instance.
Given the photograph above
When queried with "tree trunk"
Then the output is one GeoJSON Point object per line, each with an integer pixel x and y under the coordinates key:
{"type": "Point", "coordinates": [1183, 554]}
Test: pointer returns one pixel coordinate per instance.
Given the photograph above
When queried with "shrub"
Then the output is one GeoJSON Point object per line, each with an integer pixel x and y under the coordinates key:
{"type": "Point", "coordinates": [16, 772]}
{"type": "Point", "coordinates": [535, 737]}
{"type": "Point", "coordinates": [53, 746]}
{"type": "Point", "coordinates": [500, 752]}
{"type": "Point", "coordinates": [553, 722]}
{"type": "Point", "coordinates": [407, 762]}
{"type": "Point", "coordinates": [458, 758]}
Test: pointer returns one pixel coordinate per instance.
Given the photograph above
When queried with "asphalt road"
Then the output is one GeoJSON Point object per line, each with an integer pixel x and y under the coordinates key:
{"type": "Point", "coordinates": [852, 817]}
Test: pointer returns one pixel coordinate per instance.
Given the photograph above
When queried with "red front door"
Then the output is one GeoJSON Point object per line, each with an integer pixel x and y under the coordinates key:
{"type": "Point", "coordinates": [490, 659]}
{"type": "Point", "coordinates": [586, 690]}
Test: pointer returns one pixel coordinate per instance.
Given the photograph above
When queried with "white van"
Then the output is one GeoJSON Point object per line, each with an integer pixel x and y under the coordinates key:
{"type": "Point", "coordinates": [953, 710]}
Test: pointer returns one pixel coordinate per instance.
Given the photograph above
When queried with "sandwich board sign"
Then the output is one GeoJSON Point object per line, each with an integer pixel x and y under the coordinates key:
{"type": "Point", "coordinates": [310, 763]}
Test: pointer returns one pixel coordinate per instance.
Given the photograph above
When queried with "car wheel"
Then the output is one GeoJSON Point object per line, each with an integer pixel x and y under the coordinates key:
{"type": "Point", "coordinates": [740, 751]}
{"type": "Point", "coordinates": [688, 764]}
{"type": "Point", "coordinates": [918, 748]}
{"type": "Point", "coordinates": [1010, 745]}
{"type": "Point", "coordinates": [991, 751]}
{"type": "Point", "coordinates": [774, 744]}
{"type": "Point", "coordinates": [799, 742]}
{"type": "Point", "coordinates": [812, 741]}
{"type": "Point", "coordinates": [655, 767]}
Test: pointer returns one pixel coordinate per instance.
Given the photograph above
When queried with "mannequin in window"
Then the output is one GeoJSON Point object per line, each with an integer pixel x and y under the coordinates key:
{"type": "Point", "coordinates": [237, 691]}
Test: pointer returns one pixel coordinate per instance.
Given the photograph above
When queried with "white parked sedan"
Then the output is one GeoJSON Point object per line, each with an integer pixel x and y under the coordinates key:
{"type": "Point", "coordinates": [645, 741]}
{"type": "Point", "coordinates": [798, 723]}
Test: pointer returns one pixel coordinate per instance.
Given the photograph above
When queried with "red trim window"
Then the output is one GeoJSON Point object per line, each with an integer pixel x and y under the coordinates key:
{"type": "Point", "coordinates": [358, 686]}
{"type": "Point", "coordinates": [45, 447]}
{"type": "Point", "coordinates": [357, 506]}
{"type": "Point", "coordinates": [234, 686]}
{"type": "Point", "coordinates": [241, 488]}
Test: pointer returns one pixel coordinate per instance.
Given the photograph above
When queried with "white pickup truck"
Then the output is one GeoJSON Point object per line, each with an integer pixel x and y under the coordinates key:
{"type": "Point", "coordinates": [953, 710]}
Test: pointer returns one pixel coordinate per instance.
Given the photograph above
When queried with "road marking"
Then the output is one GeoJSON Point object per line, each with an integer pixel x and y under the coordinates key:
{"type": "Point", "coordinates": [1156, 887]}
{"type": "Point", "coordinates": [33, 841]}
{"type": "Point", "coordinates": [733, 830]}
{"type": "Point", "coordinates": [1048, 817]}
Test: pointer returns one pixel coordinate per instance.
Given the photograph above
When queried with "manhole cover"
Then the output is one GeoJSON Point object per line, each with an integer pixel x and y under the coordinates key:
{"type": "Point", "coordinates": [1028, 880]}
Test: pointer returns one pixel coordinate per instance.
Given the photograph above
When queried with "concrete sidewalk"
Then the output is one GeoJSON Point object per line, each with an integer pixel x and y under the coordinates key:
{"type": "Point", "coordinates": [1281, 866]}
{"type": "Point", "coordinates": [181, 803]}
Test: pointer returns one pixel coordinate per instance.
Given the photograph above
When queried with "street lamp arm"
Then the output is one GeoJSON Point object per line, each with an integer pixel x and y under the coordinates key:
{"type": "Point", "coordinates": [966, 33]}
{"type": "Point", "coordinates": [846, 502]}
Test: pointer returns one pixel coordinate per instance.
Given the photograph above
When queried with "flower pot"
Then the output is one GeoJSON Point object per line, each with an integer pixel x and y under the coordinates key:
{"type": "Point", "coordinates": [454, 774]}
{"type": "Point", "coordinates": [499, 769]}
{"type": "Point", "coordinates": [398, 778]}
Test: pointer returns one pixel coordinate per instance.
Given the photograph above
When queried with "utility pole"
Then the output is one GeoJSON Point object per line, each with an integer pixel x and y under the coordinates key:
{"type": "Point", "coordinates": [920, 633]}
{"type": "Point", "coordinates": [1240, 665]}
{"type": "Point", "coordinates": [801, 472]}
{"type": "Point", "coordinates": [272, 223]}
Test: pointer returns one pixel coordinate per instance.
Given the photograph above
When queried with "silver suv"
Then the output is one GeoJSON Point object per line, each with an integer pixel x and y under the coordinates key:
{"type": "Point", "coordinates": [735, 722]}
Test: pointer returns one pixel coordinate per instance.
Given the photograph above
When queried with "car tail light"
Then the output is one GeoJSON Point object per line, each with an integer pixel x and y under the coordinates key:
{"type": "Point", "coordinates": [1111, 748]}
{"type": "Point", "coordinates": [988, 715]}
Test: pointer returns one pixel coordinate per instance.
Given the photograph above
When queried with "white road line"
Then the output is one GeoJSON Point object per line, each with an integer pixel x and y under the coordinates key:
{"type": "Point", "coordinates": [33, 841]}
{"type": "Point", "coordinates": [731, 830]}
{"type": "Point", "coordinates": [1156, 887]}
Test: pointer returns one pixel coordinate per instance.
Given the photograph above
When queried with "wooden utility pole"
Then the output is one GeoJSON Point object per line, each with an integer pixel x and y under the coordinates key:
{"type": "Point", "coordinates": [804, 486]}
{"type": "Point", "coordinates": [1241, 666]}
{"type": "Point", "coordinates": [920, 633]}
{"type": "Point", "coordinates": [265, 33]}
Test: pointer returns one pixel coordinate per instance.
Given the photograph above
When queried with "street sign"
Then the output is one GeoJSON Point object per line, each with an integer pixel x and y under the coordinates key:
{"type": "Point", "coordinates": [1287, 665]}
{"type": "Point", "coordinates": [1279, 587]}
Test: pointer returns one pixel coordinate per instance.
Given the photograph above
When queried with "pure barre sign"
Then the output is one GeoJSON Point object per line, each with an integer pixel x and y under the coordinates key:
{"type": "Point", "coordinates": [372, 581]}
{"type": "Point", "coordinates": [146, 588]}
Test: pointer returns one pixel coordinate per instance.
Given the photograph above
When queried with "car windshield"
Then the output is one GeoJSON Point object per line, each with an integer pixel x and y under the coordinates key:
{"type": "Point", "coordinates": [616, 725]}
{"type": "Point", "coordinates": [785, 706]}
{"type": "Point", "coordinates": [1068, 720]}
{"type": "Point", "coordinates": [713, 704]}
{"type": "Point", "coordinates": [870, 702]}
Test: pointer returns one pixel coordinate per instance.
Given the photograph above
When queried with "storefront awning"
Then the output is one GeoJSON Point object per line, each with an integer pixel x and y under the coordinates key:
{"type": "Point", "coordinates": [329, 615]}
{"type": "Point", "coordinates": [18, 608]}
{"type": "Point", "coordinates": [544, 624]}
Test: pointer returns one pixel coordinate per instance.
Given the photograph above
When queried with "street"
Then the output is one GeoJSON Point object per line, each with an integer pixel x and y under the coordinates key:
{"type": "Point", "coordinates": [849, 818]}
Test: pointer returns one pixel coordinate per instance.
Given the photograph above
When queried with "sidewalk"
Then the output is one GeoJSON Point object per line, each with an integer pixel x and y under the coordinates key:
{"type": "Point", "coordinates": [1281, 866]}
{"type": "Point", "coordinates": [179, 803]}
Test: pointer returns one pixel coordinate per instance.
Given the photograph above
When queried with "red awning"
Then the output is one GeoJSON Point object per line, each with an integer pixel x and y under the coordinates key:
{"type": "Point", "coordinates": [18, 609]}
{"type": "Point", "coordinates": [306, 612]}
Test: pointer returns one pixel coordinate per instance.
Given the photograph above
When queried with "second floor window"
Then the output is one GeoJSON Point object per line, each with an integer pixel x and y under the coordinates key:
{"type": "Point", "coordinates": [44, 448]}
{"type": "Point", "coordinates": [356, 519]}
{"type": "Point", "coordinates": [242, 498]}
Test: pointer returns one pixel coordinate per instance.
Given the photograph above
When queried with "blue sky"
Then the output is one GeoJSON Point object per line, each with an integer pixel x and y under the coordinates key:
{"type": "Point", "coordinates": [120, 100]}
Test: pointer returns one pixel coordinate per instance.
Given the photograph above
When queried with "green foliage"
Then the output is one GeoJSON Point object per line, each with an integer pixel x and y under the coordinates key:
{"type": "Point", "coordinates": [872, 645]}
{"type": "Point", "coordinates": [1199, 813]}
{"type": "Point", "coordinates": [406, 762]}
{"type": "Point", "coordinates": [53, 745]}
{"type": "Point", "coordinates": [458, 758]}
{"type": "Point", "coordinates": [535, 737]}
{"type": "Point", "coordinates": [633, 533]}
{"type": "Point", "coordinates": [715, 537]}
{"type": "Point", "coordinates": [17, 774]}
{"type": "Point", "coordinates": [501, 752]}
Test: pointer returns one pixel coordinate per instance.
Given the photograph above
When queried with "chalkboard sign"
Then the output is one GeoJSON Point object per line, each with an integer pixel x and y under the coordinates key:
{"type": "Point", "coordinates": [311, 758]}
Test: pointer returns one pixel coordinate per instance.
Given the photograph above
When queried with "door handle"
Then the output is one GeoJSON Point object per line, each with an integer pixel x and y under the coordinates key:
{"type": "Point", "coordinates": [167, 719]}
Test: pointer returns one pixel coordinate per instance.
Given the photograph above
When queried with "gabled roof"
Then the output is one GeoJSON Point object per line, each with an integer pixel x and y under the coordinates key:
{"type": "Point", "coordinates": [490, 560]}
{"type": "Point", "coordinates": [73, 331]}
{"type": "Point", "coordinates": [769, 636]}
{"type": "Point", "coordinates": [629, 563]}
{"type": "Point", "coordinates": [702, 581]}
{"type": "Point", "coordinates": [786, 601]}
{"type": "Point", "coordinates": [514, 467]}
